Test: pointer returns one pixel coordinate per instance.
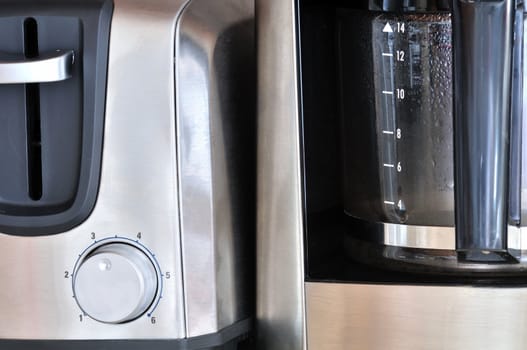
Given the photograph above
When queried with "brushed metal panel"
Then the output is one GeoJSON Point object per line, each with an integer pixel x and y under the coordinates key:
{"type": "Point", "coordinates": [354, 316]}
{"type": "Point", "coordinates": [215, 106]}
{"type": "Point", "coordinates": [280, 305]}
{"type": "Point", "coordinates": [138, 193]}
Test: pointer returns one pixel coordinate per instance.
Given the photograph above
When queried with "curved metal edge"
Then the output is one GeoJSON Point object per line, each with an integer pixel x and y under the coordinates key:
{"type": "Point", "coordinates": [49, 67]}
{"type": "Point", "coordinates": [214, 108]}
{"type": "Point", "coordinates": [280, 252]}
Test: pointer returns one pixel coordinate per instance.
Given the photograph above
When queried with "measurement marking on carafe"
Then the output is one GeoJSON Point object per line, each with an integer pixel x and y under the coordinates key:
{"type": "Point", "coordinates": [388, 132]}
{"type": "Point", "coordinates": [386, 92]}
{"type": "Point", "coordinates": [387, 54]}
{"type": "Point", "coordinates": [389, 202]}
{"type": "Point", "coordinates": [389, 165]}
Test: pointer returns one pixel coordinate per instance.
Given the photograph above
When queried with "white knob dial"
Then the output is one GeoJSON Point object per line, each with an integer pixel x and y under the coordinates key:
{"type": "Point", "coordinates": [115, 283]}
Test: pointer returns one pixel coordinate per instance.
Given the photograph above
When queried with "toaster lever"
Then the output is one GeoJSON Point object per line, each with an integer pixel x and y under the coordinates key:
{"type": "Point", "coordinates": [48, 67]}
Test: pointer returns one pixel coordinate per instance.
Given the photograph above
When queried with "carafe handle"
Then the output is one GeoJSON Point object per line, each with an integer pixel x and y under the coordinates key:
{"type": "Point", "coordinates": [483, 49]}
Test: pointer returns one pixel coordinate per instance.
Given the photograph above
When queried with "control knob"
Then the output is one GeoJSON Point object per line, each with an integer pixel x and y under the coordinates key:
{"type": "Point", "coordinates": [115, 283]}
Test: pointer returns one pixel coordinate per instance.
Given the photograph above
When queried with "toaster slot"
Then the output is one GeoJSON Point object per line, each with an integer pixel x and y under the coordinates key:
{"type": "Point", "coordinates": [34, 149]}
{"type": "Point", "coordinates": [53, 121]}
{"type": "Point", "coordinates": [53, 62]}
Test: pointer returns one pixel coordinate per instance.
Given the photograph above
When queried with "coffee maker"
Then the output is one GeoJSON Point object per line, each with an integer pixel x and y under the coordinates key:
{"type": "Point", "coordinates": [391, 188]}
{"type": "Point", "coordinates": [126, 201]}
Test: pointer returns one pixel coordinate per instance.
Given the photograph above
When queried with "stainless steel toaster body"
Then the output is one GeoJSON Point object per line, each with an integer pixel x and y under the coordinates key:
{"type": "Point", "coordinates": [176, 181]}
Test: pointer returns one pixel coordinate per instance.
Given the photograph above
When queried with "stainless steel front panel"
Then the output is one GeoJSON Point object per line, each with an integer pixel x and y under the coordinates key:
{"type": "Point", "coordinates": [406, 317]}
{"type": "Point", "coordinates": [137, 193]}
{"type": "Point", "coordinates": [280, 307]}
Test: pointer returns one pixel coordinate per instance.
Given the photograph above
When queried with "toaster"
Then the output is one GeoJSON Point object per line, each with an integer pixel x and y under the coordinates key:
{"type": "Point", "coordinates": [126, 176]}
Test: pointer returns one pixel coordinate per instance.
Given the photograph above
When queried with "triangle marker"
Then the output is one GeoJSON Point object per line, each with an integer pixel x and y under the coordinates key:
{"type": "Point", "coordinates": [387, 28]}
